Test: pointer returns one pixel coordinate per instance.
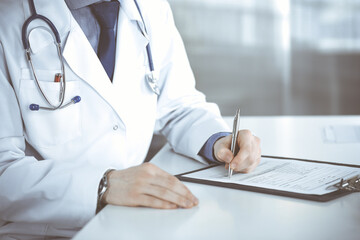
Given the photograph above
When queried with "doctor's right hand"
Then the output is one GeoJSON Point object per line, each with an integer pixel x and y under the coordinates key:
{"type": "Point", "coordinates": [148, 186]}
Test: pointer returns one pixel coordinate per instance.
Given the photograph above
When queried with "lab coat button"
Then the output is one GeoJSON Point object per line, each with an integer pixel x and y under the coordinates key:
{"type": "Point", "coordinates": [115, 127]}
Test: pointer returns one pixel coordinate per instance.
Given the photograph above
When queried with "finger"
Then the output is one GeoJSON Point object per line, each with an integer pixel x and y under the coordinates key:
{"type": "Point", "coordinates": [254, 157]}
{"type": "Point", "coordinates": [251, 167]}
{"type": "Point", "coordinates": [241, 161]}
{"type": "Point", "coordinates": [258, 140]}
{"type": "Point", "coordinates": [161, 178]}
{"type": "Point", "coordinates": [227, 166]}
{"type": "Point", "coordinates": [144, 200]}
{"type": "Point", "coordinates": [222, 150]}
{"type": "Point", "coordinates": [168, 196]}
{"type": "Point", "coordinates": [224, 155]}
{"type": "Point", "coordinates": [257, 157]}
{"type": "Point", "coordinates": [249, 153]}
{"type": "Point", "coordinates": [173, 184]}
{"type": "Point", "coordinates": [224, 141]}
{"type": "Point", "coordinates": [245, 138]}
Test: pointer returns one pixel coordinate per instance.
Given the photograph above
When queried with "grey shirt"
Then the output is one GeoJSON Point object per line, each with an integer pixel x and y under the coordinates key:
{"type": "Point", "coordinates": [83, 14]}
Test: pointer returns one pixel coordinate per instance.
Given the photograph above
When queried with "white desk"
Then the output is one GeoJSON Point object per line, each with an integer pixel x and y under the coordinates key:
{"type": "Point", "coordinates": [302, 137]}
{"type": "Point", "coordinates": [233, 214]}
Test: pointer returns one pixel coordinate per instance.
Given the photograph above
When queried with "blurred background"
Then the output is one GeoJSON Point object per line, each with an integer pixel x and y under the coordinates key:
{"type": "Point", "coordinates": [274, 57]}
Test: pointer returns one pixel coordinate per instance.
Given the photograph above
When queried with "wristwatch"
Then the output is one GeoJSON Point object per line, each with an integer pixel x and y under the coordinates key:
{"type": "Point", "coordinates": [103, 186]}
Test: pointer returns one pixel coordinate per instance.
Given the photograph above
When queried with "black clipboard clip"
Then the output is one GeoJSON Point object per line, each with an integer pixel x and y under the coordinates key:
{"type": "Point", "coordinates": [350, 185]}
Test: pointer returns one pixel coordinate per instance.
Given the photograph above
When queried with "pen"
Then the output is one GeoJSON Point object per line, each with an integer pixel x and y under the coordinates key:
{"type": "Point", "coordinates": [235, 131]}
{"type": "Point", "coordinates": [58, 77]}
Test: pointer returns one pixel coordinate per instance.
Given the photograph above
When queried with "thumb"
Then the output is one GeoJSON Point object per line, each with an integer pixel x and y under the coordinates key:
{"type": "Point", "coordinates": [224, 154]}
{"type": "Point", "coordinates": [222, 149]}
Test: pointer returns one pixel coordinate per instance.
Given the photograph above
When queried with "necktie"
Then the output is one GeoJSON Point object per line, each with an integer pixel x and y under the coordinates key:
{"type": "Point", "coordinates": [106, 13]}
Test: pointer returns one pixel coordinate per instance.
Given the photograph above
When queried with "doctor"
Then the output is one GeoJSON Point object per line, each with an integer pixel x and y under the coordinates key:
{"type": "Point", "coordinates": [60, 161]}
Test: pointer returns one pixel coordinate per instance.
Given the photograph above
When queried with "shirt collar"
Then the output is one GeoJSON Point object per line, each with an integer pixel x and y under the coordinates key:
{"type": "Point", "coordinates": [76, 4]}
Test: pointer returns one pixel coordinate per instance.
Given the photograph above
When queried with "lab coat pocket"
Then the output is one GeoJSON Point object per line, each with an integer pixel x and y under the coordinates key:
{"type": "Point", "coordinates": [46, 128]}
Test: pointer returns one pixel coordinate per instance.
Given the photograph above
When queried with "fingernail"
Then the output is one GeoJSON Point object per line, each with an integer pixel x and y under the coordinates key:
{"type": "Point", "coordinates": [195, 201]}
{"type": "Point", "coordinates": [232, 165]}
{"type": "Point", "coordinates": [172, 206]}
{"type": "Point", "coordinates": [188, 203]}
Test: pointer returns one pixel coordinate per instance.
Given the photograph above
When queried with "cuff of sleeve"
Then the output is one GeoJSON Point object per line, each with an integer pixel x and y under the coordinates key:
{"type": "Point", "coordinates": [207, 150]}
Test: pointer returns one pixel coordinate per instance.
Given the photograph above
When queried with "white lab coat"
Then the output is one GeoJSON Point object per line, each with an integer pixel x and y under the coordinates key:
{"type": "Point", "coordinates": [111, 127]}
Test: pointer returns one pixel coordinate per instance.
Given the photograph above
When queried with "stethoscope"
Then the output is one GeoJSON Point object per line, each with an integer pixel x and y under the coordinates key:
{"type": "Point", "coordinates": [151, 77]}
{"type": "Point", "coordinates": [60, 77]}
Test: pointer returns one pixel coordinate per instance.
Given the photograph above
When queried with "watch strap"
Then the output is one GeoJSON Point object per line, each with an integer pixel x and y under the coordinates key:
{"type": "Point", "coordinates": [103, 186]}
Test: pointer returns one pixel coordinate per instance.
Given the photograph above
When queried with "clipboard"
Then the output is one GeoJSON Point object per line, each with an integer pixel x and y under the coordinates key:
{"type": "Point", "coordinates": [337, 188]}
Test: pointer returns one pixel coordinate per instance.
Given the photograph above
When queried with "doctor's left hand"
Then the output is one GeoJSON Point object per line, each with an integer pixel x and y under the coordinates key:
{"type": "Point", "coordinates": [248, 156]}
{"type": "Point", "coordinates": [148, 186]}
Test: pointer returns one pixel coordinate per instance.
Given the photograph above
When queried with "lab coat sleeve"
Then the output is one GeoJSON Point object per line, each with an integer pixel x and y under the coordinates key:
{"type": "Point", "coordinates": [184, 116]}
{"type": "Point", "coordinates": [45, 191]}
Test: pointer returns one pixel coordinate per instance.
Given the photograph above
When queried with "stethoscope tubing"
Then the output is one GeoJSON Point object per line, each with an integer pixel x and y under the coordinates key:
{"type": "Point", "coordinates": [148, 49]}
{"type": "Point", "coordinates": [26, 24]}
{"type": "Point", "coordinates": [62, 82]}
{"type": "Point", "coordinates": [151, 77]}
{"type": "Point", "coordinates": [26, 44]}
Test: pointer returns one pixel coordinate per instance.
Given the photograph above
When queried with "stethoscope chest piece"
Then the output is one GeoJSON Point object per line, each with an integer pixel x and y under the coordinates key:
{"type": "Point", "coordinates": [152, 83]}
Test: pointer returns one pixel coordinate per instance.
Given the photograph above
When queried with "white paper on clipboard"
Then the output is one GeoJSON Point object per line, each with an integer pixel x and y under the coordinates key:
{"type": "Point", "coordinates": [284, 175]}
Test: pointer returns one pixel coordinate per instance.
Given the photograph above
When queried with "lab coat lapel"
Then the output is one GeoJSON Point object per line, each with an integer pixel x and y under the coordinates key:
{"type": "Point", "coordinates": [130, 9]}
{"type": "Point", "coordinates": [82, 59]}
{"type": "Point", "coordinates": [131, 41]}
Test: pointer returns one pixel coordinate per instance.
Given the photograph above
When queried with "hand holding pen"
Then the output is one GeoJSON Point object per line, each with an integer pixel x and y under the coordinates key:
{"type": "Point", "coordinates": [240, 151]}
